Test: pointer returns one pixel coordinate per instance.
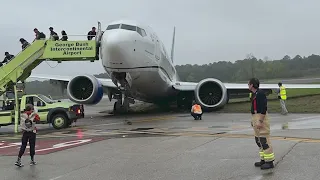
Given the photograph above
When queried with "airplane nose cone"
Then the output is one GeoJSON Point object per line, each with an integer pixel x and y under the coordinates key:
{"type": "Point", "coordinates": [119, 47]}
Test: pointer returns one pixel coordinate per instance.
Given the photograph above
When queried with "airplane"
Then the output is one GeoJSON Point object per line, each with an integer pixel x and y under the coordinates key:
{"type": "Point", "coordinates": [140, 68]}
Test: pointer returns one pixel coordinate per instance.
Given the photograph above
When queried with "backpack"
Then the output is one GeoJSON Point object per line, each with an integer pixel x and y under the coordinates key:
{"type": "Point", "coordinates": [27, 120]}
{"type": "Point", "coordinates": [56, 37]}
{"type": "Point", "coordinates": [28, 123]}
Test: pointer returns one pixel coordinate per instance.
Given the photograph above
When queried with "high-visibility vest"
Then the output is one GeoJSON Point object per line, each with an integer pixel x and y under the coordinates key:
{"type": "Point", "coordinates": [283, 93]}
{"type": "Point", "coordinates": [197, 109]}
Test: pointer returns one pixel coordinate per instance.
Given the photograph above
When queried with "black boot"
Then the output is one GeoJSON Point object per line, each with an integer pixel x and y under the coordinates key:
{"type": "Point", "coordinates": [259, 164]}
{"type": "Point", "coordinates": [267, 165]}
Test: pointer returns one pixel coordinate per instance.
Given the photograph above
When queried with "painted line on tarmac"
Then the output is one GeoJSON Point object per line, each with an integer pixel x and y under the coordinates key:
{"type": "Point", "coordinates": [155, 119]}
{"type": "Point", "coordinates": [55, 178]}
{"type": "Point", "coordinates": [305, 118]}
{"type": "Point", "coordinates": [135, 121]}
{"type": "Point", "coordinates": [270, 117]}
{"type": "Point", "coordinates": [278, 117]}
{"type": "Point", "coordinates": [108, 124]}
{"type": "Point", "coordinates": [296, 139]}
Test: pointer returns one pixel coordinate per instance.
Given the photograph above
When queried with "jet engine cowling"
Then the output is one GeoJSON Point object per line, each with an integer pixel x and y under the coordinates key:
{"type": "Point", "coordinates": [211, 94]}
{"type": "Point", "coordinates": [85, 89]}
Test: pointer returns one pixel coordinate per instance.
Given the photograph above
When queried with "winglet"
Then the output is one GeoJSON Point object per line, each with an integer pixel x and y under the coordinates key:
{"type": "Point", "coordinates": [172, 47]}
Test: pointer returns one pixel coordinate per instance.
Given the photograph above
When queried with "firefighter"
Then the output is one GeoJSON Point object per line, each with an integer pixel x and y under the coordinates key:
{"type": "Point", "coordinates": [282, 96]}
{"type": "Point", "coordinates": [196, 111]}
{"type": "Point", "coordinates": [261, 125]}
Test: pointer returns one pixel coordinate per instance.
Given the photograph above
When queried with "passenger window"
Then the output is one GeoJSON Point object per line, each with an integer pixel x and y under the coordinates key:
{"type": "Point", "coordinates": [29, 100]}
{"type": "Point", "coordinates": [113, 26]}
{"type": "Point", "coordinates": [128, 27]}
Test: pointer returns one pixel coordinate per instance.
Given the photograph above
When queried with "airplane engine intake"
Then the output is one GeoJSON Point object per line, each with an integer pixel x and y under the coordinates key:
{"type": "Point", "coordinates": [211, 94]}
{"type": "Point", "coordinates": [85, 89]}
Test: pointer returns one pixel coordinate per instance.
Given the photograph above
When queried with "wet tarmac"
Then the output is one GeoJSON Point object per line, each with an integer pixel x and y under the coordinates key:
{"type": "Point", "coordinates": [167, 146]}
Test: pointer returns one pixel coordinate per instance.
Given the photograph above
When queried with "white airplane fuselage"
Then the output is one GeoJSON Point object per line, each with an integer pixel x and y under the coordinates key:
{"type": "Point", "coordinates": [143, 58]}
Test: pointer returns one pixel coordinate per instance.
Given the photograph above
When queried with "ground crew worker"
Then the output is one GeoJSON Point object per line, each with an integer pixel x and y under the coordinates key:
{"type": "Point", "coordinates": [27, 123]}
{"type": "Point", "coordinates": [39, 35]}
{"type": "Point", "coordinates": [92, 33]}
{"type": "Point", "coordinates": [53, 35]}
{"type": "Point", "coordinates": [282, 96]}
{"type": "Point", "coordinates": [7, 58]}
{"type": "Point", "coordinates": [64, 36]}
{"type": "Point", "coordinates": [24, 43]}
{"type": "Point", "coordinates": [261, 125]}
{"type": "Point", "coordinates": [196, 111]}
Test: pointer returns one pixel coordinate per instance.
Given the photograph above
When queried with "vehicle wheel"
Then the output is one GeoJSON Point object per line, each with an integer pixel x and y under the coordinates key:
{"type": "Point", "coordinates": [59, 121]}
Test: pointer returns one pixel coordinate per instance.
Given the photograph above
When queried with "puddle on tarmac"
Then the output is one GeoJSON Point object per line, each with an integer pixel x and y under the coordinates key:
{"type": "Point", "coordinates": [305, 124]}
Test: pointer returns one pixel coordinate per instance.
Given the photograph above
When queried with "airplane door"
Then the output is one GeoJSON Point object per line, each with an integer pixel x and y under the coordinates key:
{"type": "Point", "coordinates": [157, 50]}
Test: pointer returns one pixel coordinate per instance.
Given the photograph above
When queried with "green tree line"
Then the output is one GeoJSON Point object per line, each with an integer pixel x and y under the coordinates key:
{"type": "Point", "coordinates": [240, 70]}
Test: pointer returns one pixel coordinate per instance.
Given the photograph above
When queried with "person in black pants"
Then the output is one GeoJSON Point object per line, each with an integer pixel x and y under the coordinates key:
{"type": "Point", "coordinates": [28, 118]}
{"type": "Point", "coordinates": [261, 125]}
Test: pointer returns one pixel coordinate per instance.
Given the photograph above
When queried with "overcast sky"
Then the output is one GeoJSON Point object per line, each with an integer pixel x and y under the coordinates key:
{"type": "Point", "coordinates": [206, 30]}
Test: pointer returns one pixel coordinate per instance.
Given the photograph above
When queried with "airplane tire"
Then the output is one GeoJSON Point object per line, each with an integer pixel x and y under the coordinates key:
{"type": "Point", "coordinates": [118, 108]}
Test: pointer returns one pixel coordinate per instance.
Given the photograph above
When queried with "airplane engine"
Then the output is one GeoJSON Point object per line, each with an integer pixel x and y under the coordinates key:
{"type": "Point", "coordinates": [85, 89]}
{"type": "Point", "coordinates": [211, 94]}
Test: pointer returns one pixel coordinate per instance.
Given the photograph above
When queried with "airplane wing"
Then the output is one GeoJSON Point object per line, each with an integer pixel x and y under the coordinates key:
{"type": "Point", "coordinates": [240, 90]}
{"type": "Point", "coordinates": [190, 86]}
{"type": "Point", "coordinates": [104, 82]}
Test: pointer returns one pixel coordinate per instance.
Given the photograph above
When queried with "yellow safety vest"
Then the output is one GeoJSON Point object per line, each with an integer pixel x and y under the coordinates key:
{"type": "Point", "coordinates": [283, 93]}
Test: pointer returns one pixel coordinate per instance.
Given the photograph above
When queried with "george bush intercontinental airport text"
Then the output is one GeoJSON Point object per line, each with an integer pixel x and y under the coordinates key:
{"type": "Point", "coordinates": [75, 48]}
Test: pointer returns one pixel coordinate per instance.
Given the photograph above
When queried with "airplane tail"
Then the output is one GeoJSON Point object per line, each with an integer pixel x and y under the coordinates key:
{"type": "Point", "coordinates": [172, 47]}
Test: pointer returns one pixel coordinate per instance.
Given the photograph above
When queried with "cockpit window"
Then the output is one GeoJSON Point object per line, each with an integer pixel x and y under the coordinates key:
{"type": "Point", "coordinates": [113, 26]}
{"type": "Point", "coordinates": [142, 32]}
{"type": "Point", "coordinates": [128, 27]}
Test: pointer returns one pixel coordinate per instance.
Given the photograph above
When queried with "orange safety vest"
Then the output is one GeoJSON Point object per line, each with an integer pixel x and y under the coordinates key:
{"type": "Point", "coordinates": [197, 108]}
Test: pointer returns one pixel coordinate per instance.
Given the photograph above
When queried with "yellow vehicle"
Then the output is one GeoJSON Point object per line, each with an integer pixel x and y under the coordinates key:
{"type": "Point", "coordinates": [59, 114]}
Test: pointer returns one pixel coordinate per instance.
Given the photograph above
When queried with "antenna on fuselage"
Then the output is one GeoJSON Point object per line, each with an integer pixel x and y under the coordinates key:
{"type": "Point", "coordinates": [172, 47]}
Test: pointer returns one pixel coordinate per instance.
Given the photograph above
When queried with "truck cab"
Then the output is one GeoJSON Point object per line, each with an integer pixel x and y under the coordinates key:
{"type": "Point", "coordinates": [59, 114]}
